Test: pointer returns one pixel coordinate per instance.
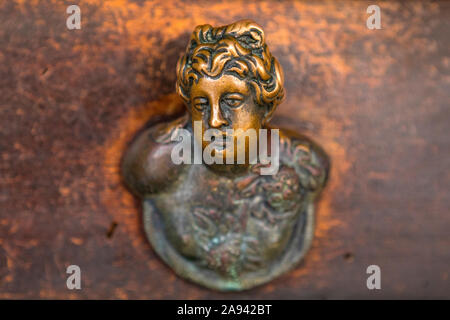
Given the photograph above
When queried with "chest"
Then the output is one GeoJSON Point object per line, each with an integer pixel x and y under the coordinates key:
{"type": "Point", "coordinates": [231, 223]}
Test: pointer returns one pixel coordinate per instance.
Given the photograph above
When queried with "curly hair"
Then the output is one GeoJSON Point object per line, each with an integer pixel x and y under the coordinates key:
{"type": "Point", "coordinates": [238, 49]}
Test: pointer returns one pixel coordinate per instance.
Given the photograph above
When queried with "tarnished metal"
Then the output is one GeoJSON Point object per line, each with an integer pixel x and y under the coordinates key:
{"type": "Point", "coordinates": [227, 226]}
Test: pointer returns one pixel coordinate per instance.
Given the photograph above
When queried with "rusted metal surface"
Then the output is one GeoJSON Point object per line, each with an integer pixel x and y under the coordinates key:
{"type": "Point", "coordinates": [376, 100]}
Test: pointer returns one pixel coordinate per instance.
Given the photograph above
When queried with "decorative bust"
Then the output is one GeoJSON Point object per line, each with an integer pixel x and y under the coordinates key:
{"type": "Point", "coordinates": [225, 225]}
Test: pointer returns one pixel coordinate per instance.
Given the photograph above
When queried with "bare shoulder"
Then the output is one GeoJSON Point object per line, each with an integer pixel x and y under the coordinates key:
{"type": "Point", "coordinates": [307, 158]}
{"type": "Point", "coordinates": [147, 167]}
{"type": "Point", "coordinates": [162, 132]}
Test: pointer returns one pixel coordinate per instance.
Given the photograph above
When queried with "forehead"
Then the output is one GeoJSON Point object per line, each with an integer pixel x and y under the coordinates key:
{"type": "Point", "coordinates": [207, 86]}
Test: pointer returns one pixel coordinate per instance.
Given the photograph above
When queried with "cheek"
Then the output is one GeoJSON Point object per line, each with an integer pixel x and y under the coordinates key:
{"type": "Point", "coordinates": [196, 116]}
{"type": "Point", "coordinates": [248, 117]}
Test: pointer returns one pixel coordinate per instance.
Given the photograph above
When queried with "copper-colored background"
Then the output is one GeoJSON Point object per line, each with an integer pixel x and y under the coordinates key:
{"type": "Point", "coordinates": [376, 100]}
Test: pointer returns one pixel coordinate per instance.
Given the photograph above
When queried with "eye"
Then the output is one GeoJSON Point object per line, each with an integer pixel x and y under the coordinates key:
{"type": "Point", "coordinates": [233, 100]}
{"type": "Point", "coordinates": [200, 103]}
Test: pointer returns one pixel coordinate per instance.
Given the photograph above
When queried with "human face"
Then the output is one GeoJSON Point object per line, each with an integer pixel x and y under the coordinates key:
{"type": "Point", "coordinates": [225, 103]}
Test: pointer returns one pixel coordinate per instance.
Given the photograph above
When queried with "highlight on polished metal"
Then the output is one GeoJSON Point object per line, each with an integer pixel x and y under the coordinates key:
{"type": "Point", "coordinates": [225, 224]}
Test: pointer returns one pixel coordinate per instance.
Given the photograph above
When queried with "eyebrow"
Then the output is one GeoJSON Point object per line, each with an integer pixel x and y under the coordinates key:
{"type": "Point", "coordinates": [201, 98]}
{"type": "Point", "coordinates": [234, 94]}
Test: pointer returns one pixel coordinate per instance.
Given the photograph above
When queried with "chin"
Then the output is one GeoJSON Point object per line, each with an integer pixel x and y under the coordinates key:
{"type": "Point", "coordinates": [228, 169]}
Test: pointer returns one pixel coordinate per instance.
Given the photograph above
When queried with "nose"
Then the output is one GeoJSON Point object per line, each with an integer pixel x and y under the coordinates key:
{"type": "Point", "coordinates": [216, 119]}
